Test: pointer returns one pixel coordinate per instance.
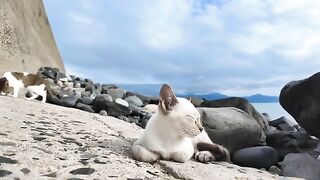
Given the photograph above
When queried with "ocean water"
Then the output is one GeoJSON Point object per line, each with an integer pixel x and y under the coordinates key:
{"type": "Point", "coordinates": [275, 111]}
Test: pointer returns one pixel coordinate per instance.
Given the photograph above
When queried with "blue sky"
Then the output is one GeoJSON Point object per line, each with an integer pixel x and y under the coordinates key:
{"type": "Point", "coordinates": [236, 47]}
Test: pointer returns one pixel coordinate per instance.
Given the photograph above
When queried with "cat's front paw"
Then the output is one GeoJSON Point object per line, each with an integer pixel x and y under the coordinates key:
{"type": "Point", "coordinates": [204, 156]}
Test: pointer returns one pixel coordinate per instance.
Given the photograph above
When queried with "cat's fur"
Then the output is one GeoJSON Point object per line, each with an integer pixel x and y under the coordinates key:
{"type": "Point", "coordinates": [175, 132]}
{"type": "Point", "coordinates": [12, 82]}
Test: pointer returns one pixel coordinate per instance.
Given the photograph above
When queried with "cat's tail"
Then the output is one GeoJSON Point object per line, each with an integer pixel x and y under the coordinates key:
{"type": "Point", "coordinates": [219, 152]}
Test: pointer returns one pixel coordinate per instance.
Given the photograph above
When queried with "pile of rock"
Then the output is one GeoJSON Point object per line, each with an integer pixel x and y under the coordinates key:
{"type": "Point", "coordinates": [84, 94]}
{"type": "Point", "coordinates": [253, 139]}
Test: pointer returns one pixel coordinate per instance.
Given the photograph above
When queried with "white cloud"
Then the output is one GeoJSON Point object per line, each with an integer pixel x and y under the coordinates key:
{"type": "Point", "coordinates": [233, 46]}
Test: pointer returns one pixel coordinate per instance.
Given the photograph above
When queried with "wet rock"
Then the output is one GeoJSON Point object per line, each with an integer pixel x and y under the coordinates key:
{"type": "Point", "coordinates": [83, 171]}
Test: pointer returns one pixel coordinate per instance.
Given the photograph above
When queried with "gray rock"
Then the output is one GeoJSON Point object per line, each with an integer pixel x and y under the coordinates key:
{"type": "Point", "coordinates": [281, 124]}
{"type": "Point", "coordinates": [301, 165]}
{"type": "Point", "coordinates": [102, 102]}
{"type": "Point", "coordinates": [134, 101]}
{"type": "Point", "coordinates": [196, 101]}
{"type": "Point", "coordinates": [224, 126]}
{"type": "Point", "coordinates": [77, 94]}
{"type": "Point", "coordinates": [48, 72]}
{"type": "Point", "coordinates": [25, 170]}
{"type": "Point", "coordinates": [103, 113]}
{"type": "Point", "coordinates": [117, 109]}
{"type": "Point", "coordinates": [239, 103]}
{"type": "Point", "coordinates": [85, 94]}
{"type": "Point", "coordinates": [116, 93]}
{"type": "Point", "coordinates": [85, 107]}
{"type": "Point", "coordinates": [256, 157]}
{"type": "Point", "coordinates": [86, 100]}
{"type": "Point", "coordinates": [90, 88]}
{"type": "Point", "coordinates": [77, 85]}
{"type": "Point", "coordinates": [95, 93]}
{"type": "Point", "coordinates": [68, 101]}
{"type": "Point", "coordinates": [286, 142]}
{"type": "Point", "coordinates": [302, 101]}
{"type": "Point", "coordinates": [143, 98]}
{"type": "Point", "coordinates": [98, 87]}
{"type": "Point", "coordinates": [275, 170]}
{"type": "Point", "coordinates": [105, 88]}
{"type": "Point", "coordinates": [68, 84]}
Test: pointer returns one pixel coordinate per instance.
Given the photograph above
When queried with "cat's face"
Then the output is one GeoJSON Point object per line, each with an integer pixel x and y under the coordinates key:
{"type": "Point", "coordinates": [180, 113]}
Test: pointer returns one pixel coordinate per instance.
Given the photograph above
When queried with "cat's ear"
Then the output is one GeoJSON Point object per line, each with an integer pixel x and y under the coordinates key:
{"type": "Point", "coordinates": [167, 98]}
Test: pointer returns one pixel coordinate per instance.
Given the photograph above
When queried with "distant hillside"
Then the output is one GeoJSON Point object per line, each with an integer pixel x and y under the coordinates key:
{"type": "Point", "coordinates": [259, 98]}
{"type": "Point", "coordinates": [153, 90]}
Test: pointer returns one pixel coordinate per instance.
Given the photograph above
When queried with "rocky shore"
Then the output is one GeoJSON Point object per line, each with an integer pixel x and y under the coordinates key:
{"type": "Point", "coordinates": [89, 135]}
{"type": "Point", "coordinates": [45, 141]}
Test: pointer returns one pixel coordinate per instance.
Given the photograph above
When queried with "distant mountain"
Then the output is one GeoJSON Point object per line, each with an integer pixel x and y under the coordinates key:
{"type": "Point", "coordinates": [210, 96]}
{"type": "Point", "coordinates": [153, 90]}
{"type": "Point", "coordinates": [259, 98]}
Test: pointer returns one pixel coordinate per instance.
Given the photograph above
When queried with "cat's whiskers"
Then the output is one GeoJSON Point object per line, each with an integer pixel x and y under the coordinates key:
{"type": "Point", "coordinates": [182, 132]}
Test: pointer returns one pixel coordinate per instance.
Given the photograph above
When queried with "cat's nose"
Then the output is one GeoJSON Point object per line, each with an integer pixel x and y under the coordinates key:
{"type": "Point", "coordinates": [201, 129]}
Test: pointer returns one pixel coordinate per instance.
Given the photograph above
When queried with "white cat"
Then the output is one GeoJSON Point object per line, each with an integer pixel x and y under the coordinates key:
{"type": "Point", "coordinates": [175, 132]}
{"type": "Point", "coordinates": [12, 82]}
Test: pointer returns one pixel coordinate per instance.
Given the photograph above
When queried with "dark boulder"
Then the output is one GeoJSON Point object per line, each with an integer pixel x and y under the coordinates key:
{"type": "Point", "coordinates": [286, 142]}
{"type": "Point", "coordinates": [143, 98]}
{"type": "Point", "coordinates": [69, 101]}
{"type": "Point", "coordinates": [85, 107]}
{"type": "Point", "coordinates": [231, 127]}
{"type": "Point", "coordinates": [239, 103]}
{"type": "Point", "coordinates": [281, 124]}
{"type": "Point", "coordinates": [256, 157]}
{"type": "Point", "coordinates": [113, 108]}
{"type": "Point", "coordinates": [301, 99]}
{"type": "Point", "coordinates": [102, 102]}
